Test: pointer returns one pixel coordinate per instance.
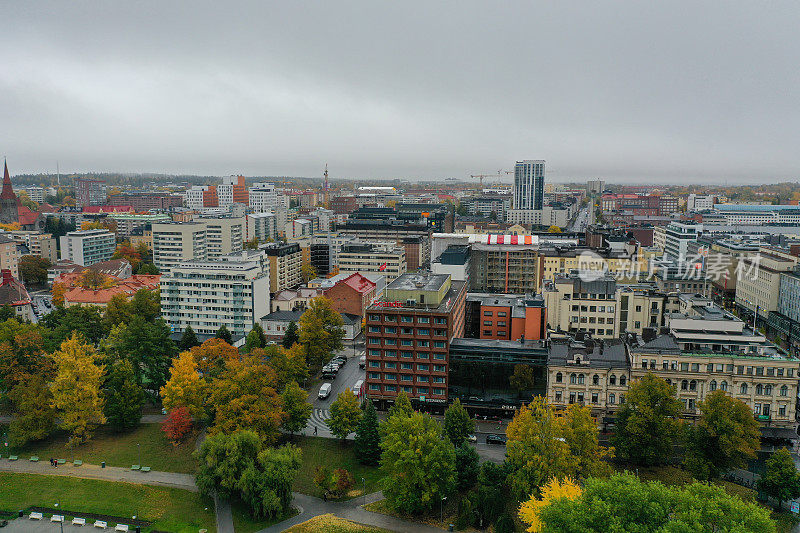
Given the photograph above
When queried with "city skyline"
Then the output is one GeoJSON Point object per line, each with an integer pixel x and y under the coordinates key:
{"type": "Point", "coordinates": [623, 92]}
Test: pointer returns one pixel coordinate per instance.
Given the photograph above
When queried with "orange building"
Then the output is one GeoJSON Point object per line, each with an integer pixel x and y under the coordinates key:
{"type": "Point", "coordinates": [210, 197]}
{"type": "Point", "coordinates": [505, 317]}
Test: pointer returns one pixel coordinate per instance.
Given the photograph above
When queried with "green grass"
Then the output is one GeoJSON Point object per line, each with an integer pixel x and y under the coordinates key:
{"type": "Point", "coordinates": [327, 523]}
{"type": "Point", "coordinates": [169, 509]}
{"type": "Point", "coordinates": [117, 449]}
{"type": "Point", "coordinates": [244, 523]}
{"type": "Point", "coordinates": [333, 454]}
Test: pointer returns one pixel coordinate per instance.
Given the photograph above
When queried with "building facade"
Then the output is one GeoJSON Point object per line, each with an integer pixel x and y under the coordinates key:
{"type": "Point", "coordinates": [529, 184]}
{"type": "Point", "coordinates": [389, 261]}
{"type": "Point", "coordinates": [89, 192]}
{"type": "Point", "coordinates": [88, 247]}
{"type": "Point", "coordinates": [285, 265]}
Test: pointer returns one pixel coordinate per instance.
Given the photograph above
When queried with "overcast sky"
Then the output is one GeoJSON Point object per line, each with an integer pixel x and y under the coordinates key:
{"type": "Point", "coordinates": [627, 91]}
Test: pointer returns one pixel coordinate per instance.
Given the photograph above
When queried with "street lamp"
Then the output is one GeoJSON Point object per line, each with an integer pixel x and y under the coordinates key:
{"type": "Point", "coordinates": [364, 481]}
{"type": "Point", "coordinates": [61, 523]}
{"type": "Point", "coordinates": [441, 509]}
{"type": "Point", "coordinates": [139, 453]}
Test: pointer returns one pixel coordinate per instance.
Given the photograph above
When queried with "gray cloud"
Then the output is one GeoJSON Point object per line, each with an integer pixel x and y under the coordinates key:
{"type": "Point", "coordinates": [629, 91]}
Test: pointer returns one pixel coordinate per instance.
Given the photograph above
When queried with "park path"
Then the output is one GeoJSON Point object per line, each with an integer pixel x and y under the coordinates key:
{"type": "Point", "coordinates": [310, 507]}
{"type": "Point", "coordinates": [109, 473]}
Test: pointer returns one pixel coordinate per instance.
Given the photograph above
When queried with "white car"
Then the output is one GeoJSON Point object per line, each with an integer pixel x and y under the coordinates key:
{"type": "Point", "coordinates": [324, 391]}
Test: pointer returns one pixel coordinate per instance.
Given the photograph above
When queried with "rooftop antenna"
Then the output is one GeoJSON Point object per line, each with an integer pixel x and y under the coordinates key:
{"type": "Point", "coordinates": [327, 194]}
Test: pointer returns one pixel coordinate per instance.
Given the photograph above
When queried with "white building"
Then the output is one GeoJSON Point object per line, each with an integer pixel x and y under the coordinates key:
{"type": "Point", "coordinates": [546, 216]}
{"type": "Point", "coordinates": [205, 295]}
{"type": "Point", "coordinates": [677, 239]}
{"type": "Point", "coordinates": [88, 247]}
{"type": "Point", "coordinates": [700, 202]}
{"type": "Point", "coordinates": [529, 184]}
{"type": "Point", "coordinates": [200, 239]}
{"type": "Point", "coordinates": [262, 226]}
{"type": "Point", "coordinates": [193, 197]}
{"type": "Point", "coordinates": [263, 198]}
{"type": "Point", "coordinates": [224, 236]}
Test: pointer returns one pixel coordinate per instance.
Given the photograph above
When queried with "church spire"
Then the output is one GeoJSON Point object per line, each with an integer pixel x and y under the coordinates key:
{"type": "Point", "coordinates": [8, 191]}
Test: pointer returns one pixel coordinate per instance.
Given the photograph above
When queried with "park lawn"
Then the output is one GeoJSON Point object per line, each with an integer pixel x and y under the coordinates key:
{"type": "Point", "coordinates": [169, 509]}
{"type": "Point", "coordinates": [244, 523]}
{"type": "Point", "coordinates": [328, 523]}
{"type": "Point", "coordinates": [331, 453]}
{"type": "Point", "coordinates": [118, 449]}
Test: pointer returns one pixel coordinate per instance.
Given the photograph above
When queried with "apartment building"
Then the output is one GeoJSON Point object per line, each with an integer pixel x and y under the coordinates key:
{"type": "Point", "coordinates": [9, 256]}
{"type": "Point", "coordinates": [232, 190]}
{"type": "Point", "coordinates": [224, 235]}
{"type": "Point", "coordinates": [146, 201]}
{"type": "Point", "coordinates": [262, 227]}
{"type": "Point", "coordinates": [677, 239]}
{"type": "Point", "coordinates": [39, 244]}
{"type": "Point", "coordinates": [589, 372]}
{"type": "Point", "coordinates": [594, 303]}
{"type": "Point", "coordinates": [285, 262]}
{"type": "Point", "coordinates": [488, 205]}
{"type": "Point", "coordinates": [549, 215]}
{"type": "Point", "coordinates": [128, 222]}
{"type": "Point", "coordinates": [88, 247]}
{"type": "Point", "coordinates": [505, 268]}
{"type": "Point", "coordinates": [625, 262]}
{"type": "Point", "coordinates": [388, 260]}
{"type": "Point", "coordinates": [89, 192]}
{"type": "Point", "coordinates": [759, 280]}
{"type": "Point", "coordinates": [177, 242]}
{"type": "Point", "coordinates": [408, 335]}
{"type": "Point", "coordinates": [207, 294]}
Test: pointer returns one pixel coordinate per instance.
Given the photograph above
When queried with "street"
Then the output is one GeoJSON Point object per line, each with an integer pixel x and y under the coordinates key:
{"type": "Point", "coordinates": [581, 220]}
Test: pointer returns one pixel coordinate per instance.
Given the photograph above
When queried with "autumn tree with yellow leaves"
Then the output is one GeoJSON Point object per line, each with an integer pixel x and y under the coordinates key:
{"type": "Point", "coordinates": [555, 489]}
{"type": "Point", "coordinates": [76, 388]}
{"type": "Point", "coordinates": [185, 387]}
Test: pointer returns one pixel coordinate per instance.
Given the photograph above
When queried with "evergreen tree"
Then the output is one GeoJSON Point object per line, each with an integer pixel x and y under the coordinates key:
{"type": "Point", "coordinates": [368, 439]}
{"type": "Point", "coordinates": [255, 339]}
{"type": "Point", "coordinates": [188, 339]}
{"type": "Point", "coordinates": [291, 336]}
{"type": "Point", "coordinates": [124, 398]}
{"type": "Point", "coordinates": [224, 334]}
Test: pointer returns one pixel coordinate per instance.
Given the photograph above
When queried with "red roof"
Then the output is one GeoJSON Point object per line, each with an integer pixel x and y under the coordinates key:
{"type": "Point", "coordinates": [358, 283]}
{"type": "Point", "coordinates": [26, 216]}
{"type": "Point", "coordinates": [127, 287]}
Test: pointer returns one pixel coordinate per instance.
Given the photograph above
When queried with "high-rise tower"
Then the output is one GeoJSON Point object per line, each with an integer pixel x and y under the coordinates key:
{"type": "Point", "coordinates": [529, 184]}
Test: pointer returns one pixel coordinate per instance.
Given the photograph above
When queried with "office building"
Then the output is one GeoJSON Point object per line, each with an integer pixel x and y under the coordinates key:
{"type": "Point", "coordinates": [408, 335]}
{"type": "Point", "coordinates": [88, 247]}
{"type": "Point", "coordinates": [389, 261]}
{"type": "Point", "coordinates": [677, 238]}
{"type": "Point", "coordinates": [529, 184]}
{"type": "Point", "coordinates": [232, 291]}
{"type": "Point", "coordinates": [231, 191]}
{"type": "Point", "coordinates": [595, 187]}
{"type": "Point", "coordinates": [700, 202]}
{"type": "Point", "coordinates": [89, 192]}
{"type": "Point", "coordinates": [263, 198]}
{"type": "Point", "coordinates": [549, 215]}
{"type": "Point", "coordinates": [285, 265]}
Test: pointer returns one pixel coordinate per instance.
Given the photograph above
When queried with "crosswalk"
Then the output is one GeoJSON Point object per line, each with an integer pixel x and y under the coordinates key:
{"type": "Point", "coordinates": [318, 418]}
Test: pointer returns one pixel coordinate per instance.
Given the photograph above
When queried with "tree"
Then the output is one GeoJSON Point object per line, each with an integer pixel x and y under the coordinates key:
{"type": "Point", "coordinates": [94, 280]}
{"type": "Point", "coordinates": [521, 379]}
{"type": "Point", "coordinates": [297, 409]}
{"type": "Point", "coordinates": [123, 397]}
{"type": "Point", "coordinates": [554, 229]}
{"type": "Point", "coordinates": [35, 415]}
{"type": "Point", "coordinates": [212, 355]}
{"type": "Point", "coordinates": [321, 331]}
{"type": "Point", "coordinates": [345, 414]}
{"type": "Point", "coordinates": [125, 250]}
{"type": "Point", "coordinates": [781, 479]}
{"type": "Point", "coordinates": [188, 339]}
{"type": "Point", "coordinates": [61, 323]}
{"type": "Point", "coordinates": [725, 437]}
{"type": "Point", "coordinates": [178, 425]}
{"type": "Point", "coordinates": [529, 511]}
{"type": "Point", "coordinates": [7, 313]}
{"type": "Point", "coordinates": [148, 268]}
{"type": "Point", "coordinates": [536, 449]}
{"type": "Point", "coordinates": [401, 406]}
{"type": "Point", "coordinates": [624, 503]}
{"type": "Point", "coordinates": [185, 387]}
{"type": "Point", "coordinates": [76, 389]}
{"type": "Point", "coordinates": [579, 431]}
{"type": "Point", "coordinates": [467, 466]}
{"type": "Point", "coordinates": [290, 336]}
{"type": "Point", "coordinates": [308, 272]}
{"type": "Point", "coordinates": [368, 438]}
{"type": "Point", "coordinates": [418, 466]}
{"type": "Point", "coordinates": [58, 290]}
{"type": "Point", "coordinates": [289, 365]}
{"type": "Point", "coordinates": [458, 425]}
{"type": "Point", "coordinates": [33, 269]}
{"type": "Point", "coordinates": [255, 338]}
{"type": "Point", "coordinates": [224, 334]}
{"type": "Point", "coordinates": [149, 348]}
{"type": "Point", "coordinates": [239, 466]}
{"type": "Point", "coordinates": [648, 423]}
{"type": "Point", "coordinates": [244, 397]}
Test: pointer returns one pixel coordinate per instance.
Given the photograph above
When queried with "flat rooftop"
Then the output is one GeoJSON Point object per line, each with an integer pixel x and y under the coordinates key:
{"type": "Point", "coordinates": [419, 282]}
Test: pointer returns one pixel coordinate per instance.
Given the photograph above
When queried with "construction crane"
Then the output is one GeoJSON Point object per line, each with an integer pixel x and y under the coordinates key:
{"type": "Point", "coordinates": [499, 175]}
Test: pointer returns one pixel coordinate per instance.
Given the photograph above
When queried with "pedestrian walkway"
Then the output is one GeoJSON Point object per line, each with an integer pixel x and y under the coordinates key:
{"type": "Point", "coordinates": [319, 417]}
{"type": "Point", "coordinates": [109, 473]}
{"type": "Point", "coordinates": [310, 507]}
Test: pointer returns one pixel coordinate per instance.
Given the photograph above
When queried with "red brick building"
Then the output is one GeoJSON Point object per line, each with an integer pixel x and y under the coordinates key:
{"type": "Point", "coordinates": [352, 295]}
{"type": "Point", "coordinates": [409, 331]}
{"type": "Point", "coordinates": [505, 317]}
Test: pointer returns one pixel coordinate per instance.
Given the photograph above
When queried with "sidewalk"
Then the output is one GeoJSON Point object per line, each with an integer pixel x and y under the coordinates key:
{"type": "Point", "coordinates": [109, 473]}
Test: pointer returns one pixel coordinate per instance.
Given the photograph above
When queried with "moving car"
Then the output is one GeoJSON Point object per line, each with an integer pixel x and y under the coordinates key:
{"type": "Point", "coordinates": [324, 391]}
{"type": "Point", "coordinates": [362, 361]}
{"type": "Point", "coordinates": [494, 438]}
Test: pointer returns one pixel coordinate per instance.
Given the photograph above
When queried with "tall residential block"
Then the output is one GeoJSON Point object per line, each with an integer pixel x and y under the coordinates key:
{"type": "Point", "coordinates": [90, 192]}
{"type": "Point", "coordinates": [88, 247]}
{"type": "Point", "coordinates": [529, 184]}
{"type": "Point", "coordinates": [200, 239]}
{"type": "Point", "coordinates": [285, 263]}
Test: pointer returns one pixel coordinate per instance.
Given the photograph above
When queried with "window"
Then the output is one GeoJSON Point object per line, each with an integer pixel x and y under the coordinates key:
{"type": "Point", "coordinates": [743, 388]}
{"type": "Point", "coordinates": [558, 395]}
{"type": "Point", "coordinates": [375, 318]}
{"type": "Point", "coordinates": [768, 390]}
{"type": "Point", "coordinates": [782, 410]}
{"type": "Point", "coordinates": [390, 342]}
{"type": "Point", "coordinates": [423, 320]}
{"type": "Point", "coordinates": [390, 353]}
{"type": "Point", "coordinates": [406, 342]}
{"type": "Point", "coordinates": [612, 398]}
{"type": "Point", "coordinates": [784, 390]}
{"type": "Point", "coordinates": [501, 323]}
{"type": "Point", "coordinates": [424, 344]}
{"type": "Point", "coordinates": [713, 385]}
{"type": "Point", "coordinates": [438, 379]}
{"type": "Point", "coordinates": [407, 331]}
{"type": "Point", "coordinates": [406, 377]}
{"type": "Point", "coordinates": [406, 366]}
{"type": "Point", "coordinates": [693, 385]}
{"type": "Point", "coordinates": [488, 313]}
{"type": "Point", "coordinates": [422, 368]}
{"type": "Point", "coordinates": [374, 386]}
{"type": "Point", "coordinates": [760, 389]}
{"type": "Point", "coordinates": [422, 390]}
{"type": "Point", "coordinates": [684, 385]}
{"type": "Point", "coordinates": [501, 314]}
{"type": "Point", "coordinates": [571, 397]}
{"type": "Point", "coordinates": [560, 377]}
{"type": "Point", "coordinates": [391, 329]}
{"type": "Point", "coordinates": [695, 367]}
{"type": "Point", "coordinates": [487, 333]}
{"type": "Point", "coordinates": [374, 329]}
{"type": "Point", "coordinates": [487, 323]}
{"type": "Point", "coordinates": [440, 332]}
{"type": "Point", "coordinates": [390, 388]}
{"type": "Point", "coordinates": [440, 320]}
{"type": "Point", "coordinates": [375, 364]}
{"type": "Point", "coordinates": [406, 389]}
{"type": "Point", "coordinates": [573, 379]}
{"type": "Point", "coordinates": [644, 363]}
{"type": "Point", "coordinates": [406, 355]}
{"type": "Point", "coordinates": [438, 391]}
{"type": "Point", "coordinates": [375, 353]}
{"type": "Point", "coordinates": [580, 397]}
{"type": "Point", "coordinates": [622, 381]}
{"type": "Point", "coordinates": [595, 380]}
{"type": "Point", "coordinates": [423, 331]}
{"type": "Point", "coordinates": [389, 364]}
{"type": "Point", "coordinates": [621, 398]}
{"type": "Point", "coordinates": [390, 376]}
{"type": "Point", "coordinates": [422, 355]}
{"type": "Point", "coordinates": [422, 379]}
{"type": "Point", "coordinates": [439, 356]}
{"type": "Point", "coordinates": [724, 386]}
{"type": "Point", "coordinates": [374, 375]}
{"type": "Point", "coordinates": [438, 368]}
{"type": "Point", "coordinates": [580, 379]}
{"type": "Point", "coordinates": [438, 344]}
{"type": "Point", "coordinates": [612, 379]}
{"type": "Point", "coordinates": [406, 319]}
{"type": "Point", "coordinates": [665, 365]}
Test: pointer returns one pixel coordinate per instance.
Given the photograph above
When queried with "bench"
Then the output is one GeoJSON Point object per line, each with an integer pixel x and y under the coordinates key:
{"type": "Point", "coordinates": [57, 518]}
{"type": "Point", "coordinates": [100, 524]}
{"type": "Point", "coordinates": [34, 458]}
{"type": "Point", "coordinates": [121, 527]}
{"type": "Point", "coordinates": [77, 462]}
{"type": "Point", "coordinates": [78, 521]}
{"type": "Point", "coordinates": [36, 516]}
{"type": "Point", "coordinates": [145, 469]}
{"type": "Point", "coordinates": [135, 467]}
{"type": "Point", "coordinates": [62, 461]}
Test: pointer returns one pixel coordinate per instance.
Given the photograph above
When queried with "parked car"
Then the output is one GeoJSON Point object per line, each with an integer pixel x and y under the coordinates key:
{"type": "Point", "coordinates": [324, 391]}
{"type": "Point", "coordinates": [362, 361]}
{"type": "Point", "coordinates": [494, 438]}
